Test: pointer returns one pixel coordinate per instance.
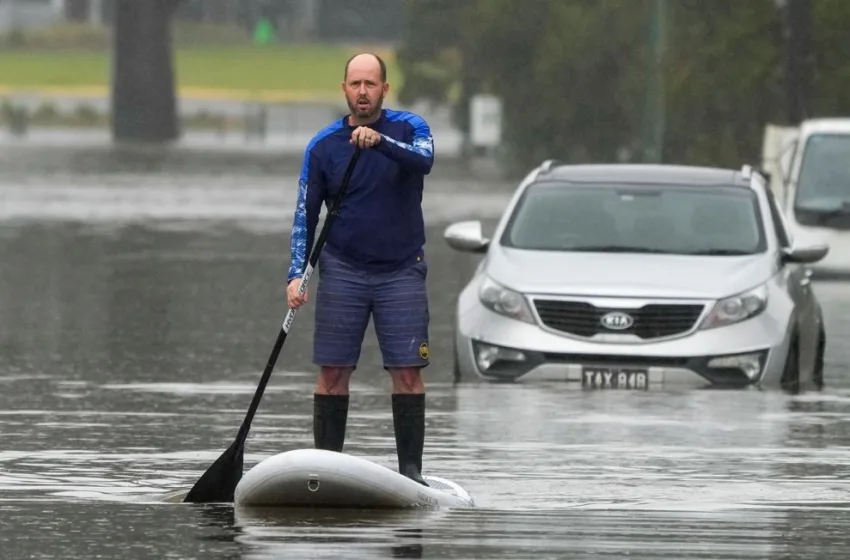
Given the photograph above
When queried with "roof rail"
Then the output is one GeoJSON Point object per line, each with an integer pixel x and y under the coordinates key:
{"type": "Point", "coordinates": [747, 171]}
{"type": "Point", "coordinates": [547, 165]}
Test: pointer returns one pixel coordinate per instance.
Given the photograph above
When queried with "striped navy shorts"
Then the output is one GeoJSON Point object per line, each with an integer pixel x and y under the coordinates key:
{"type": "Point", "coordinates": [347, 297]}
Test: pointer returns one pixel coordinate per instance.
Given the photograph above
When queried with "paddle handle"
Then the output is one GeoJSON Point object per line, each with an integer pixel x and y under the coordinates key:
{"type": "Point", "coordinates": [302, 289]}
{"type": "Point", "coordinates": [333, 212]}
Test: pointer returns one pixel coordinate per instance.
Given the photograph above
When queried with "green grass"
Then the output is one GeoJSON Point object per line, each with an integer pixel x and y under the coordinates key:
{"type": "Point", "coordinates": [295, 69]}
{"type": "Point", "coordinates": [279, 72]}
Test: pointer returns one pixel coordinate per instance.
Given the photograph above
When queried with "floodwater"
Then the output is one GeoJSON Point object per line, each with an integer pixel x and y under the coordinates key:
{"type": "Point", "coordinates": [138, 306]}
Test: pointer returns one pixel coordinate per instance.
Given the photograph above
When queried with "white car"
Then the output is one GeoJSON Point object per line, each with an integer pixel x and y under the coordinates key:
{"type": "Point", "coordinates": [812, 185]}
{"type": "Point", "coordinates": [640, 276]}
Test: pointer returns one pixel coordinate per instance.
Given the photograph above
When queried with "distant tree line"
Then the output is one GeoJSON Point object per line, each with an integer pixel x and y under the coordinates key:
{"type": "Point", "coordinates": [578, 78]}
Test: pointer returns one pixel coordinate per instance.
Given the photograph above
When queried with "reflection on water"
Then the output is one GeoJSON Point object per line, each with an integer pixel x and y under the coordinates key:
{"type": "Point", "coordinates": [129, 352]}
{"type": "Point", "coordinates": [114, 530]}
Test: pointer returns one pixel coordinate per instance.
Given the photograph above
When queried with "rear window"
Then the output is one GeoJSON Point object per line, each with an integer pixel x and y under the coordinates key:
{"type": "Point", "coordinates": [712, 220]}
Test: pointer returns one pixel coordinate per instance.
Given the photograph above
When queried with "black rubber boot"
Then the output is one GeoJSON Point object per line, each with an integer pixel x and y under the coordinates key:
{"type": "Point", "coordinates": [409, 425]}
{"type": "Point", "coordinates": [330, 414]}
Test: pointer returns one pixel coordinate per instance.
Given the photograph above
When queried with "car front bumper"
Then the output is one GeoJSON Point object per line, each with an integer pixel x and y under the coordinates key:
{"type": "Point", "coordinates": [751, 353]}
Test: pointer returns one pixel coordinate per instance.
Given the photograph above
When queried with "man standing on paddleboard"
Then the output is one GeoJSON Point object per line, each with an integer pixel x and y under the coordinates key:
{"type": "Point", "coordinates": [373, 263]}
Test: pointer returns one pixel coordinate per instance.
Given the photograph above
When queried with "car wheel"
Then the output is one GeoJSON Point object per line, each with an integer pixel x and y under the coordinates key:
{"type": "Point", "coordinates": [817, 375]}
{"type": "Point", "coordinates": [791, 373]}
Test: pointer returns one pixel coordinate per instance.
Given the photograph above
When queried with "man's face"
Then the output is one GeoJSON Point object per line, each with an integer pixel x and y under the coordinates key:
{"type": "Point", "coordinates": [364, 90]}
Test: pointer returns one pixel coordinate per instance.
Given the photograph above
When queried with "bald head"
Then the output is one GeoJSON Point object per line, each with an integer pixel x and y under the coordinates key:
{"type": "Point", "coordinates": [365, 86]}
{"type": "Point", "coordinates": [366, 63]}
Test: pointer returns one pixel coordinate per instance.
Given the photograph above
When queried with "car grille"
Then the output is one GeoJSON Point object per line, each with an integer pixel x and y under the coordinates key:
{"type": "Point", "coordinates": [655, 320]}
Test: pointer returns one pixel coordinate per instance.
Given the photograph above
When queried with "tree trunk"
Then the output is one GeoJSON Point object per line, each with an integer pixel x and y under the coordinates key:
{"type": "Point", "coordinates": [144, 101]}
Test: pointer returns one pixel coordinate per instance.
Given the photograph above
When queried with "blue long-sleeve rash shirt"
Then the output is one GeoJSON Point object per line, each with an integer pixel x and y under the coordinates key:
{"type": "Point", "coordinates": [380, 226]}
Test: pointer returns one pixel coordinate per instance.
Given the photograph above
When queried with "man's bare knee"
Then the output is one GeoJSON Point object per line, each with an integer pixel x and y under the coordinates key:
{"type": "Point", "coordinates": [407, 380]}
{"type": "Point", "coordinates": [334, 380]}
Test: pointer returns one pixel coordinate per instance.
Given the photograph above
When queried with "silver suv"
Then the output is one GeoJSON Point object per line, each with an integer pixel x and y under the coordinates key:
{"type": "Point", "coordinates": [637, 277]}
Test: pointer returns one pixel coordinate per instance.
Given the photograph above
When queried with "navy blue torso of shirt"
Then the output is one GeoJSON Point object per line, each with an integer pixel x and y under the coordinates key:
{"type": "Point", "coordinates": [380, 227]}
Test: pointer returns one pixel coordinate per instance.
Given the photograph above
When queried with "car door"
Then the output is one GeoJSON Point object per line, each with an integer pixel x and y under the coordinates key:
{"type": "Point", "coordinates": [798, 285]}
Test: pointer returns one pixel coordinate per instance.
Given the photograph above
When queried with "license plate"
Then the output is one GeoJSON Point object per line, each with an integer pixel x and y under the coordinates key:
{"type": "Point", "coordinates": [601, 377]}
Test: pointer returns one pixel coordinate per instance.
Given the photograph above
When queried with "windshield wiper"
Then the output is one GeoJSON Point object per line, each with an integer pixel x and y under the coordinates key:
{"type": "Point", "coordinates": [720, 252]}
{"type": "Point", "coordinates": [615, 249]}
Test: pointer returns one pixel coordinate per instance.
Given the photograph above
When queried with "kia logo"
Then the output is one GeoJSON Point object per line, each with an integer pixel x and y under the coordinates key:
{"type": "Point", "coordinates": [617, 321]}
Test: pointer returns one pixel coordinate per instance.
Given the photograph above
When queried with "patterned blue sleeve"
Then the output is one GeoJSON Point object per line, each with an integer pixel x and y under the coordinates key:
{"type": "Point", "coordinates": [311, 194]}
{"type": "Point", "coordinates": [416, 156]}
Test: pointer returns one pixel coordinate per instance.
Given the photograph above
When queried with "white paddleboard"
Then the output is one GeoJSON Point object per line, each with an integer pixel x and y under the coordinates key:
{"type": "Point", "coordinates": [321, 478]}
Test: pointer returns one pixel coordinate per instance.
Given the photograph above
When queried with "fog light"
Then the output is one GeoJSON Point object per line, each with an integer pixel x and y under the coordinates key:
{"type": "Point", "coordinates": [750, 364]}
{"type": "Point", "coordinates": [487, 355]}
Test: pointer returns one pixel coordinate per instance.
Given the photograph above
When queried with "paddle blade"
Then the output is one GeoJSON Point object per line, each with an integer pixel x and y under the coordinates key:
{"type": "Point", "coordinates": [219, 483]}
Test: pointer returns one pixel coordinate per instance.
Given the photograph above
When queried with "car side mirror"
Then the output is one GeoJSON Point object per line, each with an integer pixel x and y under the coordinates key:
{"type": "Point", "coordinates": [466, 237]}
{"type": "Point", "coordinates": [804, 255]}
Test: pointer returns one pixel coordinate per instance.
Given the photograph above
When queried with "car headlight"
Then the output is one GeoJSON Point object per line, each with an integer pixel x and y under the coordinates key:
{"type": "Point", "coordinates": [503, 301]}
{"type": "Point", "coordinates": [735, 309]}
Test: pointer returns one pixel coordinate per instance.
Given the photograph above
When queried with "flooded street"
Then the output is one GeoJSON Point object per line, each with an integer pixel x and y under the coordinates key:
{"type": "Point", "coordinates": [138, 305]}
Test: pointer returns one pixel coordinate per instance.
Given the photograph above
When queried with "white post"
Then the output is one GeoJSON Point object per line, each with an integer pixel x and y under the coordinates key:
{"type": "Point", "coordinates": [58, 8]}
{"type": "Point", "coordinates": [310, 16]}
{"type": "Point", "coordinates": [485, 130]}
{"type": "Point", "coordinates": [11, 16]}
{"type": "Point", "coordinates": [96, 12]}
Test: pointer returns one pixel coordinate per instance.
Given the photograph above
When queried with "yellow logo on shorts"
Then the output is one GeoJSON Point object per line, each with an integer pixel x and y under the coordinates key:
{"type": "Point", "coordinates": [423, 350]}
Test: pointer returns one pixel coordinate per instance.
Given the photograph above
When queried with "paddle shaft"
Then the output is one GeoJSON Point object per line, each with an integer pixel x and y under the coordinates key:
{"type": "Point", "coordinates": [333, 212]}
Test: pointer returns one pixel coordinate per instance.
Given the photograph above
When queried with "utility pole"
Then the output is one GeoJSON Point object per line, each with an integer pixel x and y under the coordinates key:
{"type": "Point", "coordinates": [654, 113]}
{"type": "Point", "coordinates": [798, 44]}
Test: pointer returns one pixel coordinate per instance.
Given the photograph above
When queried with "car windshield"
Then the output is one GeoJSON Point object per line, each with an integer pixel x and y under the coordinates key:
{"type": "Point", "coordinates": [824, 181]}
{"type": "Point", "coordinates": [694, 220]}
